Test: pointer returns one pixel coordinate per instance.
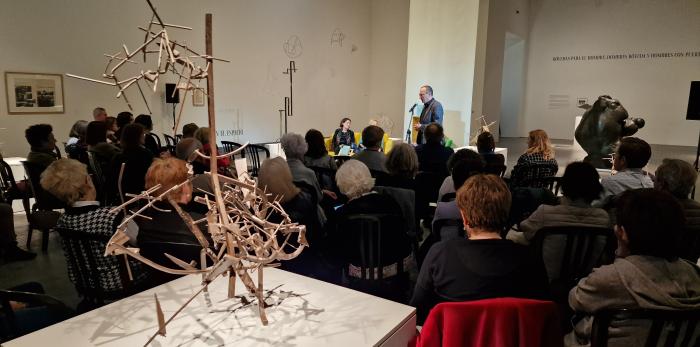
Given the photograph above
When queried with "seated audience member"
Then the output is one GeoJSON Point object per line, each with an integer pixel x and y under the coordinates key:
{"type": "Point", "coordinates": [8, 239]}
{"type": "Point", "coordinates": [165, 224]}
{"type": "Point", "coordinates": [678, 178]}
{"type": "Point", "coordinates": [402, 166]}
{"type": "Point", "coordinates": [465, 166]}
{"type": "Point", "coordinates": [222, 164]}
{"type": "Point", "coordinates": [486, 146]}
{"type": "Point", "coordinates": [294, 147]}
{"type": "Point", "coordinates": [68, 180]}
{"type": "Point", "coordinates": [447, 184]}
{"type": "Point", "coordinates": [101, 150]}
{"type": "Point", "coordinates": [150, 143]}
{"type": "Point", "coordinates": [112, 128]}
{"type": "Point", "coordinates": [647, 273]}
{"type": "Point", "coordinates": [123, 119]}
{"type": "Point", "coordinates": [433, 155]}
{"type": "Point", "coordinates": [185, 150]}
{"type": "Point", "coordinates": [316, 154]}
{"type": "Point", "coordinates": [631, 155]}
{"type": "Point", "coordinates": [136, 160]}
{"type": "Point", "coordinates": [580, 186]}
{"type": "Point", "coordinates": [276, 178]}
{"type": "Point", "coordinates": [76, 148]}
{"type": "Point", "coordinates": [343, 136]}
{"type": "Point", "coordinates": [43, 144]}
{"type": "Point", "coordinates": [536, 164]}
{"type": "Point", "coordinates": [372, 156]}
{"type": "Point", "coordinates": [482, 265]}
{"type": "Point", "coordinates": [99, 114]}
{"type": "Point", "coordinates": [355, 181]}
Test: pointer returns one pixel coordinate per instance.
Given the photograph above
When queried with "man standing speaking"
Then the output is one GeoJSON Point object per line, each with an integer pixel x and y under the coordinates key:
{"type": "Point", "coordinates": [432, 111]}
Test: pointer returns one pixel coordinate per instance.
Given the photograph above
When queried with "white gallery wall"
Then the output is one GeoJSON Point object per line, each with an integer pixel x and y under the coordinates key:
{"type": "Point", "coordinates": [442, 39]}
{"type": "Point", "coordinates": [653, 88]}
{"type": "Point", "coordinates": [345, 51]}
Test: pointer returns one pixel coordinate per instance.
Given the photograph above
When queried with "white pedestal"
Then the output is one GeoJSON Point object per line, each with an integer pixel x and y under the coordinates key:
{"type": "Point", "coordinates": [304, 312]}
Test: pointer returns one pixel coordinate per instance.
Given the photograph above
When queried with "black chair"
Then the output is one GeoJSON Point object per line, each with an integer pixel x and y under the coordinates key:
{"type": "Point", "coordinates": [170, 143]}
{"type": "Point", "coordinates": [368, 239]}
{"type": "Point", "coordinates": [340, 159]}
{"type": "Point", "coordinates": [230, 146]}
{"type": "Point", "coordinates": [689, 244]}
{"type": "Point", "coordinates": [252, 153]}
{"type": "Point", "coordinates": [570, 253]}
{"type": "Point", "coordinates": [380, 176]}
{"type": "Point", "coordinates": [97, 278]}
{"type": "Point", "coordinates": [97, 171]}
{"type": "Point", "coordinates": [178, 137]}
{"type": "Point", "coordinates": [453, 226]}
{"type": "Point", "coordinates": [662, 327]}
{"type": "Point", "coordinates": [155, 251]}
{"type": "Point", "coordinates": [326, 178]}
{"type": "Point", "coordinates": [155, 146]}
{"type": "Point", "coordinates": [43, 216]}
{"type": "Point", "coordinates": [41, 311]}
{"type": "Point", "coordinates": [525, 200]}
{"type": "Point", "coordinates": [11, 191]}
{"type": "Point", "coordinates": [427, 191]}
{"type": "Point", "coordinates": [534, 175]}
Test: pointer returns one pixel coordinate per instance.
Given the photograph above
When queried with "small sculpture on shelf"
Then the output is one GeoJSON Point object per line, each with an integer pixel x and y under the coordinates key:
{"type": "Point", "coordinates": [601, 127]}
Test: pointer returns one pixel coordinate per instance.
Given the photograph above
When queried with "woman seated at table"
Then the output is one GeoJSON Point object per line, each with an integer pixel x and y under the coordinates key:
{"type": "Point", "coordinates": [68, 180]}
{"type": "Point", "coordinates": [482, 265]}
{"type": "Point", "coordinates": [536, 164]}
{"type": "Point", "coordinates": [343, 135]}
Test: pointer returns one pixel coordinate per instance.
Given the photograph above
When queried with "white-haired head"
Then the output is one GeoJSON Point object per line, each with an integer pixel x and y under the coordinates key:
{"type": "Point", "coordinates": [294, 146]}
{"type": "Point", "coordinates": [354, 179]}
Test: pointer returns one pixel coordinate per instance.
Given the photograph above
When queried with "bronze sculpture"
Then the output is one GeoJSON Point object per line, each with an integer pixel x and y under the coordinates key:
{"type": "Point", "coordinates": [601, 127]}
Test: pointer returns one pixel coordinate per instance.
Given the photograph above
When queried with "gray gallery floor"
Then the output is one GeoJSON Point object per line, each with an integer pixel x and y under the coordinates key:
{"type": "Point", "coordinates": [50, 268]}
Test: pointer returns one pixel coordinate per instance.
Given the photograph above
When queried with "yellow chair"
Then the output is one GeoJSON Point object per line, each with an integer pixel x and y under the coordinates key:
{"type": "Point", "coordinates": [387, 144]}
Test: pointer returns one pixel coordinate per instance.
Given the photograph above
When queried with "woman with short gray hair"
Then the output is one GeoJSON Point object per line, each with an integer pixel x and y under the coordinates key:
{"type": "Point", "coordinates": [354, 181]}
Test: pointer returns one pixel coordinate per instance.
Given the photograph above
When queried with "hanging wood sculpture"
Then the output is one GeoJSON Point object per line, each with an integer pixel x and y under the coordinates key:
{"type": "Point", "coordinates": [244, 241]}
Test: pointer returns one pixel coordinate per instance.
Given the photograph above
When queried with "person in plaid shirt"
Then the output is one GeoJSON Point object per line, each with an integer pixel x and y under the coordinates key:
{"type": "Point", "coordinates": [536, 164]}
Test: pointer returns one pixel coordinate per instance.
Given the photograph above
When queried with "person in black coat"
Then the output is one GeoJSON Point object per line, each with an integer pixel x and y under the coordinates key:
{"type": "Point", "coordinates": [137, 160]}
{"type": "Point", "coordinates": [433, 155]}
{"type": "Point", "coordinates": [483, 265]}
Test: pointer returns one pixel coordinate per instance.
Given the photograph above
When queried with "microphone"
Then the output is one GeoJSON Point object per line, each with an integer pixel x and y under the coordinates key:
{"type": "Point", "coordinates": [412, 107]}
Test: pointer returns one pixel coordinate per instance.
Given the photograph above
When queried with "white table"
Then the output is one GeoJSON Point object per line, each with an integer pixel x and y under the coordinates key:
{"type": "Point", "coordinates": [322, 315]}
{"type": "Point", "coordinates": [498, 150]}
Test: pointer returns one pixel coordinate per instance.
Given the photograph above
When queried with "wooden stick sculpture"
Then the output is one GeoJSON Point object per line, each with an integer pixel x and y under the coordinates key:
{"type": "Point", "coordinates": [170, 61]}
{"type": "Point", "coordinates": [237, 220]}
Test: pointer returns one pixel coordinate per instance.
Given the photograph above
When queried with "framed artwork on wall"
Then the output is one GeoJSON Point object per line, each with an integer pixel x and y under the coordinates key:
{"type": "Point", "coordinates": [34, 93]}
{"type": "Point", "coordinates": [198, 97]}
